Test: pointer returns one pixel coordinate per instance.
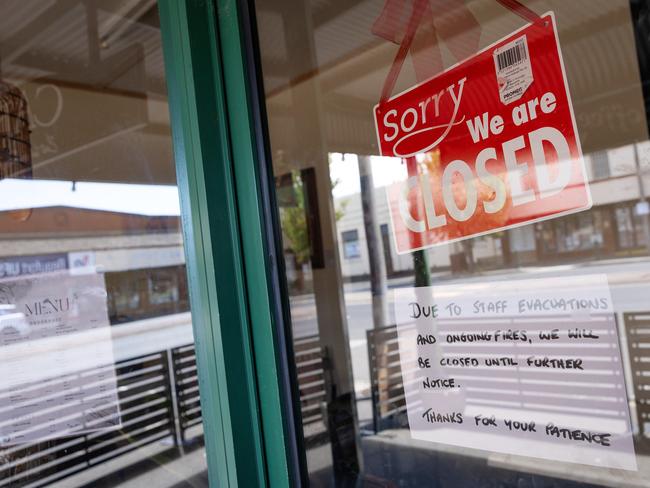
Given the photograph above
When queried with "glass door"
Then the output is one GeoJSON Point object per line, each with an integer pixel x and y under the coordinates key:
{"type": "Point", "coordinates": [97, 358]}
{"type": "Point", "coordinates": [461, 190]}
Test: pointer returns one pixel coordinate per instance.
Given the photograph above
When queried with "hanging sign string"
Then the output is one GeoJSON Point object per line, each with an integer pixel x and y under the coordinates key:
{"type": "Point", "coordinates": [388, 26]}
{"type": "Point", "coordinates": [419, 8]}
{"type": "Point", "coordinates": [451, 15]}
{"type": "Point", "coordinates": [522, 11]}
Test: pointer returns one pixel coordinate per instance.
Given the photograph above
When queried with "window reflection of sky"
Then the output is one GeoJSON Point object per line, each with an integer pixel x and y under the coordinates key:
{"type": "Point", "coordinates": [151, 200]}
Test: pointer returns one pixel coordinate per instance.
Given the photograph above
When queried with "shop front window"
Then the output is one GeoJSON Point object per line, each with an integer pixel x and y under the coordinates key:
{"type": "Point", "coordinates": [631, 226]}
{"type": "Point", "coordinates": [578, 233]}
{"type": "Point", "coordinates": [489, 162]}
{"type": "Point", "coordinates": [351, 247]}
{"type": "Point", "coordinates": [625, 227]}
{"type": "Point", "coordinates": [600, 165]}
{"type": "Point", "coordinates": [99, 383]}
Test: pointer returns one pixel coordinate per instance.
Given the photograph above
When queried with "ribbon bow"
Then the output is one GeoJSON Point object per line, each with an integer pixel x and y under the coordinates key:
{"type": "Point", "coordinates": [431, 21]}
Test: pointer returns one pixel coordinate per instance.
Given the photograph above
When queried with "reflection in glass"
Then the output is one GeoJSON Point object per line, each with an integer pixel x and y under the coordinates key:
{"type": "Point", "coordinates": [100, 383]}
{"type": "Point", "coordinates": [324, 68]}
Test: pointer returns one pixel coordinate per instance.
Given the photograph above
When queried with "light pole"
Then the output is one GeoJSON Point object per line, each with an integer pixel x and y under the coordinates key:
{"type": "Point", "coordinates": [642, 208]}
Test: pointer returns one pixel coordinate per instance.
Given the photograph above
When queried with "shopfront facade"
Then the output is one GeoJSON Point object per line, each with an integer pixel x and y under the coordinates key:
{"type": "Point", "coordinates": [324, 243]}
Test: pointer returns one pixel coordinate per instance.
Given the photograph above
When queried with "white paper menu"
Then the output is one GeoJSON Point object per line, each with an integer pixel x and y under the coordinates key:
{"type": "Point", "coordinates": [56, 358]}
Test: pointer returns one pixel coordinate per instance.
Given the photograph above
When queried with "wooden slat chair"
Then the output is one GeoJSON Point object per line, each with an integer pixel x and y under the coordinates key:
{"type": "Point", "coordinates": [186, 382]}
{"type": "Point", "coordinates": [311, 367]}
{"type": "Point", "coordinates": [146, 414]}
{"type": "Point", "coordinates": [312, 371]}
{"type": "Point", "coordinates": [386, 386]}
{"type": "Point", "coordinates": [637, 332]}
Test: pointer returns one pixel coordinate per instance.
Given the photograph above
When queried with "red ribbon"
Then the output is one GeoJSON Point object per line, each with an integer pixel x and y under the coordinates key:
{"type": "Point", "coordinates": [420, 32]}
{"type": "Point", "coordinates": [522, 11]}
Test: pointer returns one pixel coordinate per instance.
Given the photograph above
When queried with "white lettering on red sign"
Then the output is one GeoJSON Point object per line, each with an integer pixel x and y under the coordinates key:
{"type": "Point", "coordinates": [495, 141]}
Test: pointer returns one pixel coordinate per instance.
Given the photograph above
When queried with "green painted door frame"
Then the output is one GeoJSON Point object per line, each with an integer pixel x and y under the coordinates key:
{"type": "Point", "coordinates": [248, 419]}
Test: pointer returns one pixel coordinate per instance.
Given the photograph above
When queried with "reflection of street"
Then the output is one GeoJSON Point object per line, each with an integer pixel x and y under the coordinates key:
{"type": "Point", "coordinates": [156, 406]}
{"type": "Point", "coordinates": [629, 280]}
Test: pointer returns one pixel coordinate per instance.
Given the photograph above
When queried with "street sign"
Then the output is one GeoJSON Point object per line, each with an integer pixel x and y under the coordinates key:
{"type": "Point", "coordinates": [495, 142]}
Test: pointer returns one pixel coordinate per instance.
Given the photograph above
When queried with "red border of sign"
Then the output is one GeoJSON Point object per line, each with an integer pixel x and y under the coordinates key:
{"type": "Point", "coordinates": [551, 14]}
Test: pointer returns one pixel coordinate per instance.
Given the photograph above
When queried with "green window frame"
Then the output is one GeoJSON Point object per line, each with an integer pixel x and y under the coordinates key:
{"type": "Point", "coordinates": [233, 274]}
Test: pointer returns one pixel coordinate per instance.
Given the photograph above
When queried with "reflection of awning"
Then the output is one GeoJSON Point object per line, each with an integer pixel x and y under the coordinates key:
{"type": "Point", "coordinates": [350, 131]}
{"type": "Point", "coordinates": [321, 102]}
{"type": "Point", "coordinates": [150, 200]}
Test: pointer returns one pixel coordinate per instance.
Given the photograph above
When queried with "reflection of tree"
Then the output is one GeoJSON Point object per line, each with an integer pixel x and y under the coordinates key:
{"type": "Point", "coordinates": [481, 220]}
{"type": "Point", "coordinates": [294, 224]}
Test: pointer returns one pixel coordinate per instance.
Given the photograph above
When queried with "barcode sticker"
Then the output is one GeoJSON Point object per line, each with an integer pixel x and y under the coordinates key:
{"type": "Point", "coordinates": [514, 55]}
{"type": "Point", "coordinates": [513, 70]}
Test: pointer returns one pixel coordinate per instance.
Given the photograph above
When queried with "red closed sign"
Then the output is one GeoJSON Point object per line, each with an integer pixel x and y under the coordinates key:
{"type": "Point", "coordinates": [492, 144]}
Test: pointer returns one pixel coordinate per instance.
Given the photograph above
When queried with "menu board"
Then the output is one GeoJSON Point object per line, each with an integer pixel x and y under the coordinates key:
{"type": "Point", "coordinates": [56, 358]}
{"type": "Point", "coordinates": [529, 367]}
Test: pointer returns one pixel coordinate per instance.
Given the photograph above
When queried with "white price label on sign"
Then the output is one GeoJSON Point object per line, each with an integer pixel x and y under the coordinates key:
{"type": "Point", "coordinates": [514, 72]}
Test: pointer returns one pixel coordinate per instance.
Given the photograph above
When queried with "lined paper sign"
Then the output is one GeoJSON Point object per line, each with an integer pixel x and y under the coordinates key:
{"type": "Point", "coordinates": [529, 367]}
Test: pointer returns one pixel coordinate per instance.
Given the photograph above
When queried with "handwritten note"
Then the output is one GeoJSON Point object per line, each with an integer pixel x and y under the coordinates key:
{"type": "Point", "coordinates": [56, 358]}
{"type": "Point", "coordinates": [528, 367]}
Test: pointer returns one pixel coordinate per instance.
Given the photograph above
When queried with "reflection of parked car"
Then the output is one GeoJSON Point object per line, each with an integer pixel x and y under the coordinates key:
{"type": "Point", "coordinates": [10, 319]}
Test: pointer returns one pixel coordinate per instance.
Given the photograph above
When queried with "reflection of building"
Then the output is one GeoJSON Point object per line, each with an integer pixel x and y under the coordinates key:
{"type": "Point", "coordinates": [614, 227]}
{"type": "Point", "coordinates": [141, 255]}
